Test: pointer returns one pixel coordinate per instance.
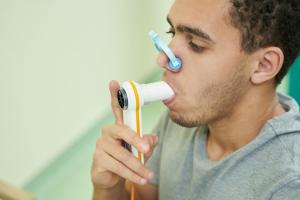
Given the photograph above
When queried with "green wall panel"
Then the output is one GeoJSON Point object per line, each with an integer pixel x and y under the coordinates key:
{"type": "Point", "coordinates": [294, 81]}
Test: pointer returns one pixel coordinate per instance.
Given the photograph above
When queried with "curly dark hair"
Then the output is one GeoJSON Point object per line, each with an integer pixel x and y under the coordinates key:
{"type": "Point", "coordinates": [264, 23]}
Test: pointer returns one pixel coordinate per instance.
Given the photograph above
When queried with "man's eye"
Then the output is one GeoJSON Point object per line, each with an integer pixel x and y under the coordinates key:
{"type": "Point", "coordinates": [171, 31]}
{"type": "Point", "coordinates": [196, 47]}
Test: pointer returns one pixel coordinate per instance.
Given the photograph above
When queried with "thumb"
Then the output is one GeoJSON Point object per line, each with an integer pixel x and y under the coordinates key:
{"type": "Point", "coordinates": [114, 87]}
{"type": "Point", "coordinates": [152, 141]}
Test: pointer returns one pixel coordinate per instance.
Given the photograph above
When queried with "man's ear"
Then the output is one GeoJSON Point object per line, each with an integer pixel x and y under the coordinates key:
{"type": "Point", "coordinates": [268, 62]}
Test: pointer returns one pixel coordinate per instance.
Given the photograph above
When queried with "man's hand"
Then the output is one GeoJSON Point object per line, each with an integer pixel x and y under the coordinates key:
{"type": "Point", "coordinates": [112, 163]}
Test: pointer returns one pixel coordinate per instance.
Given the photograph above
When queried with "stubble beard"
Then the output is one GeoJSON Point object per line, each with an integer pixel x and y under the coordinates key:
{"type": "Point", "coordinates": [215, 102]}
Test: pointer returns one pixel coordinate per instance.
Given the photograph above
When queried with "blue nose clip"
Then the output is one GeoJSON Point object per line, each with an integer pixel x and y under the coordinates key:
{"type": "Point", "coordinates": [175, 63]}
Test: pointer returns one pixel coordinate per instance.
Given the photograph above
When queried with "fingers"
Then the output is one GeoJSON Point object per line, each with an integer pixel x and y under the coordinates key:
{"type": "Point", "coordinates": [113, 157]}
{"type": "Point", "coordinates": [152, 140]}
{"type": "Point", "coordinates": [120, 169]}
{"type": "Point", "coordinates": [118, 113]}
{"type": "Point", "coordinates": [128, 160]}
{"type": "Point", "coordinates": [121, 132]}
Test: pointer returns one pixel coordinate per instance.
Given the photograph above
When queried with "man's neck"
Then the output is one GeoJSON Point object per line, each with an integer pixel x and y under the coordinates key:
{"type": "Point", "coordinates": [243, 125]}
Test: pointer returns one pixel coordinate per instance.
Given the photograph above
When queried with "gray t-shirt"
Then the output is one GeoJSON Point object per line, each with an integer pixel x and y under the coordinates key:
{"type": "Point", "coordinates": [266, 168]}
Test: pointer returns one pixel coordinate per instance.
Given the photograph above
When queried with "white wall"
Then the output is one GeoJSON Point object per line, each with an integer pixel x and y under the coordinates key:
{"type": "Point", "coordinates": [56, 59]}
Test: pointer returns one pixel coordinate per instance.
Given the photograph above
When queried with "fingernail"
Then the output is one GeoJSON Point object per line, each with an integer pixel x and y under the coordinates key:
{"type": "Point", "coordinates": [143, 181]}
{"type": "Point", "coordinates": [150, 175]}
{"type": "Point", "coordinates": [145, 147]}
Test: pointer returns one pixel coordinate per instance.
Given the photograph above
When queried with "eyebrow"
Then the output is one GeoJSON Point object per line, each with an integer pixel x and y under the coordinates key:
{"type": "Point", "coordinates": [194, 31]}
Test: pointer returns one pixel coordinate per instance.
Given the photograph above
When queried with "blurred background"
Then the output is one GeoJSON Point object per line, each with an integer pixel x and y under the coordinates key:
{"type": "Point", "coordinates": [56, 60]}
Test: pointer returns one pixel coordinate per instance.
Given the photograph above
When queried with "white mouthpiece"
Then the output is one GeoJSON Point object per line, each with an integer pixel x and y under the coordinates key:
{"type": "Point", "coordinates": [157, 91]}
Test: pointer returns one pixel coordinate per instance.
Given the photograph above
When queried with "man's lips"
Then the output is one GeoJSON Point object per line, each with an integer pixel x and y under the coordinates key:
{"type": "Point", "coordinates": [171, 99]}
{"type": "Point", "coordinates": [168, 102]}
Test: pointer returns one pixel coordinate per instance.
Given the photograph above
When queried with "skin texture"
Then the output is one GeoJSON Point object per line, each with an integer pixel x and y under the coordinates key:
{"type": "Point", "coordinates": [219, 85]}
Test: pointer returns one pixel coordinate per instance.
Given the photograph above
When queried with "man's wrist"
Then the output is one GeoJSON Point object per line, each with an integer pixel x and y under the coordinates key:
{"type": "Point", "coordinates": [118, 192]}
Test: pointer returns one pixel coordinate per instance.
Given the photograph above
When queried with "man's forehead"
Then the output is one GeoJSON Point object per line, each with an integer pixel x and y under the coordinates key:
{"type": "Point", "coordinates": [204, 3]}
{"type": "Point", "coordinates": [195, 9]}
{"type": "Point", "coordinates": [205, 14]}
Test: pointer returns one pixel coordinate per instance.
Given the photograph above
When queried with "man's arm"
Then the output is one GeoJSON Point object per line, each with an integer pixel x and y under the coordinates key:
{"type": "Point", "coordinates": [145, 192]}
{"type": "Point", "coordinates": [116, 193]}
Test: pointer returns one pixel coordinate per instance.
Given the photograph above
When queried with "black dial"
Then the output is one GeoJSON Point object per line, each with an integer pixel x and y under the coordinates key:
{"type": "Point", "coordinates": [122, 98]}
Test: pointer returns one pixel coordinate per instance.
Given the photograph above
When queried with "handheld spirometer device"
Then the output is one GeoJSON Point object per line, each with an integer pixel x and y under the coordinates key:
{"type": "Point", "coordinates": [133, 96]}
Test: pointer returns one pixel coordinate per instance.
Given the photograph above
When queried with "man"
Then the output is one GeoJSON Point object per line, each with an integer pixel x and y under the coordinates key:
{"type": "Point", "coordinates": [228, 134]}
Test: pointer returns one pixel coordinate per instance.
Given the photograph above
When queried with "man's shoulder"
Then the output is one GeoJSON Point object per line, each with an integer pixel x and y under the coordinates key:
{"type": "Point", "coordinates": [289, 144]}
{"type": "Point", "coordinates": [280, 156]}
{"type": "Point", "coordinates": [286, 128]}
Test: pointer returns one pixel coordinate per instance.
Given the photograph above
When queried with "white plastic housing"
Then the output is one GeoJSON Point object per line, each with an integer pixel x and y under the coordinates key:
{"type": "Point", "coordinates": [157, 91]}
{"type": "Point", "coordinates": [147, 93]}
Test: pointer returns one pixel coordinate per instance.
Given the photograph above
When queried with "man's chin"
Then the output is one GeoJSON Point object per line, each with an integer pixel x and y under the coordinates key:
{"type": "Point", "coordinates": [184, 121]}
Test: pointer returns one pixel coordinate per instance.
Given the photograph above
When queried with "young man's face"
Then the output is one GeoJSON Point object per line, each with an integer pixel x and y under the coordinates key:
{"type": "Point", "coordinates": [215, 73]}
